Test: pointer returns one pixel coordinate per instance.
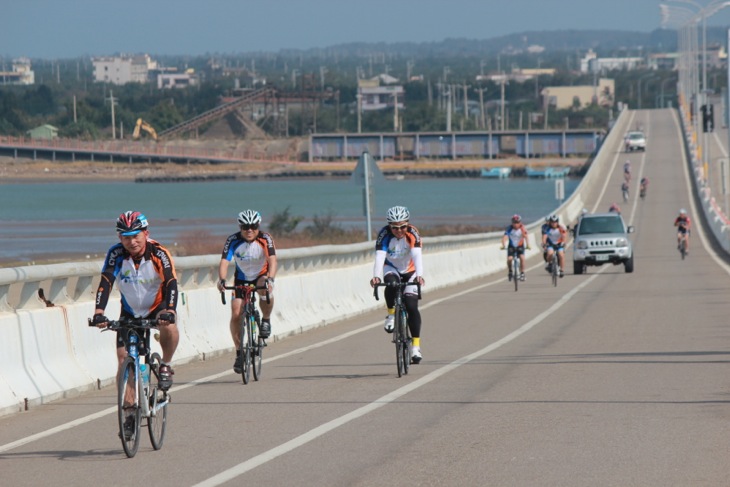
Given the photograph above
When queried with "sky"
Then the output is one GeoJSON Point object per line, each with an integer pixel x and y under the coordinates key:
{"type": "Point", "coordinates": [58, 29]}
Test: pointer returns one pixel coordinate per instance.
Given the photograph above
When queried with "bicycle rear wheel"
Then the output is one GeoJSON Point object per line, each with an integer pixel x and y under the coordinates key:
{"type": "Point", "coordinates": [399, 342]}
{"type": "Point", "coordinates": [157, 422]}
{"type": "Point", "coordinates": [245, 349]}
{"type": "Point", "coordinates": [258, 348]}
{"type": "Point", "coordinates": [130, 442]}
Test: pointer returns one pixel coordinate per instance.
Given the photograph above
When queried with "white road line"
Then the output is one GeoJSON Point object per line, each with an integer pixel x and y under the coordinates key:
{"type": "Point", "coordinates": [325, 428]}
{"type": "Point", "coordinates": [688, 181]}
{"type": "Point", "coordinates": [210, 378]}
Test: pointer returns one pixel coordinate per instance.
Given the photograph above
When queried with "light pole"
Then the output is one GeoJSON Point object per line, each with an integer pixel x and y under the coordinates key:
{"type": "Point", "coordinates": [638, 83]}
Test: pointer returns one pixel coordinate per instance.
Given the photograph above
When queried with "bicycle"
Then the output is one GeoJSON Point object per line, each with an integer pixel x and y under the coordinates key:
{"type": "Point", "coordinates": [149, 401]}
{"type": "Point", "coordinates": [555, 267]}
{"type": "Point", "coordinates": [251, 346]}
{"type": "Point", "coordinates": [401, 333]}
{"type": "Point", "coordinates": [683, 246]}
{"type": "Point", "coordinates": [515, 272]}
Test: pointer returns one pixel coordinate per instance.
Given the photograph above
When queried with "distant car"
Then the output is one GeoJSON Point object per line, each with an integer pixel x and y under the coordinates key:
{"type": "Point", "coordinates": [635, 141]}
{"type": "Point", "coordinates": [602, 238]}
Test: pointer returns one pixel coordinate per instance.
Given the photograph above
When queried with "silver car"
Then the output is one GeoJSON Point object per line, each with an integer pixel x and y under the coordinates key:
{"type": "Point", "coordinates": [602, 238]}
{"type": "Point", "coordinates": [635, 141]}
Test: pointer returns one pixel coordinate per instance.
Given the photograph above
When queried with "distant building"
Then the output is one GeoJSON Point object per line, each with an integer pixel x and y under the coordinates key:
{"type": "Point", "coordinates": [380, 93]}
{"type": "Point", "coordinates": [518, 75]}
{"type": "Point", "coordinates": [176, 80]}
{"type": "Point", "coordinates": [44, 132]}
{"type": "Point", "coordinates": [562, 97]}
{"type": "Point", "coordinates": [663, 61]}
{"type": "Point", "coordinates": [20, 73]}
{"type": "Point", "coordinates": [120, 70]}
{"type": "Point", "coordinates": [592, 63]}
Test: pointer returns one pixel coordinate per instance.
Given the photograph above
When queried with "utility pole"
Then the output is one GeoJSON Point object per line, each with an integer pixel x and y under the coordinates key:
{"type": "Point", "coordinates": [113, 101]}
{"type": "Point", "coordinates": [481, 106]}
{"type": "Point", "coordinates": [501, 104]}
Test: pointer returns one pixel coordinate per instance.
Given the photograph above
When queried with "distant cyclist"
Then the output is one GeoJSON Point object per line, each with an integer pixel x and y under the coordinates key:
{"type": "Point", "coordinates": [643, 186]}
{"type": "Point", "coordinates": [554, 241]}
{"type": "Point", "coordinates": [516, 236]}
{"type": "Point", "coordinates": [614, 208]}
{"type": "Point", "coordinates": [255, 256]}
{"type": "Point", "coordinates": [625, 191]}
{"type": "Point", "coordinates": [627, 171]}
{"type": "Point", "coordinates": [398, 258]}
{"type": "Point", "coordinates": [683, 224]}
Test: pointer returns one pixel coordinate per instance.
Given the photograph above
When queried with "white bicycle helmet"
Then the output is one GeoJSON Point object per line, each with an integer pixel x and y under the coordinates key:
{"type": "Point", "coordinates": [554, 218]}
{"type": "Point", "coordinates": [682, 211]}
{"type": "Point", "coordinates": [398, 214]}
{"type": "Point", "coordinates": [249, 217]}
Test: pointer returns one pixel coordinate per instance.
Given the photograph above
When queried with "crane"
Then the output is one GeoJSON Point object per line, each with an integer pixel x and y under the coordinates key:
{"type": "Point", "coordinates": [142, 125]}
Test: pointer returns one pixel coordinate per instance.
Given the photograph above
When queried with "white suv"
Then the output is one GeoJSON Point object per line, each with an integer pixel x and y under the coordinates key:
{"type": "Point", "coordinates": [635, 141]}
{"type": "Point", "coordinates": [602, 238]}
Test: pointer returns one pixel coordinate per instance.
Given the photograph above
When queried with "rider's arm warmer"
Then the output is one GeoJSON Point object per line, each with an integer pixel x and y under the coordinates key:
{"type": "Point", "coordinates": [379, 263]}
{"type": "Point", "coordinates": [417, 257]}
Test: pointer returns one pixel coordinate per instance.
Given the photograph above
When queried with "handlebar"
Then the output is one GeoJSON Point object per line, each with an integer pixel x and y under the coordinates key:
{"type": "Point", "coordinates": [139, 323]}
{"type": "Point", "coordinates": [398, 284]}
{"type": "Point", "coordinates": [252, 289]}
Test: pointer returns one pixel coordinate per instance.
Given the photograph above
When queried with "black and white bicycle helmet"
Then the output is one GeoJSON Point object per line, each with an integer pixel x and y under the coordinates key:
{"type": "Point", "coordinates": [398, 214]}
{"type": "Point", "coordinates": [249, 217]}
{"type": "Point", "coordinates": [554, 218]}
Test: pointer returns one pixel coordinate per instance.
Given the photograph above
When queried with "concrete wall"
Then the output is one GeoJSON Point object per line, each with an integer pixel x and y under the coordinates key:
{"type": "Point", "coordinates": [48, 353]}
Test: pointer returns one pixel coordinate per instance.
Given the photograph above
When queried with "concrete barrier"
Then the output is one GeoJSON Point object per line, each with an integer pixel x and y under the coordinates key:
{"type": "Point", "coordinates": [47, 350]}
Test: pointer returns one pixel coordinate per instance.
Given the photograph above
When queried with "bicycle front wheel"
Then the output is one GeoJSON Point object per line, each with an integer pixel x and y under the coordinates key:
{"type": "Point", "coordinates": [406, 337]}
{"type": "Point", "coordinates": [258, 348]}
{"type": "Point", "coordinates": [555, 269]}
{"type": "Point", "coordinates": [158, 401]}
{"type": "Point", "coordinates": [246, 349]}
{"type": "Point", "coordinates": [516, 271]}
{"type": "Point", "coordinates": [128, 406]}
{"type": "Point", "coordinates": [399, 342]}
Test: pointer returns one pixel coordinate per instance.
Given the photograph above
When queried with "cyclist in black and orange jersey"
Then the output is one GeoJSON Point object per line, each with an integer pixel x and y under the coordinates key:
{"type": "Point", "coordinates": [516, 236]}
{"type": "Point", "coordinates": [255, 256]}
{"type": "Point", "coordinates": [683, 224]}
{"type": "Point", "coordinates": [398, 258]}
{"type": "Point", "coordinates": [554, 241]}
{"type": "Point", "coordinates": [148, 285]}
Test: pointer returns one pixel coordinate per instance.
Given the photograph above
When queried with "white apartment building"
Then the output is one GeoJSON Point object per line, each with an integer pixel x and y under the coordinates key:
{"type": "Point", "coordinates": [120, 70]}
{"type": "Point", "coordinates": [20, 73]}
{"type": "Point", "coordinates": [592, 63]}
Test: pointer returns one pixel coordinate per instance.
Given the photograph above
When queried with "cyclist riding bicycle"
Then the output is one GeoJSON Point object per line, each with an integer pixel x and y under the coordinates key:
{"type": "Point", "coordinates": [683, 224]}
{"type": "Point", "coordinates": [398, 258]}
{"type": "Point", "coordinates": [627, 171]}
{"type": "Point", "coordinates": [255, 256]}
{"type": "Point", "coordinates": [543, 229]}
{"type": "Point", "coordinates": [516, 236]}
{"type": "Point", "coordinates": [148, 286]}
{"type": "Point", "coordinates": [554, 241]}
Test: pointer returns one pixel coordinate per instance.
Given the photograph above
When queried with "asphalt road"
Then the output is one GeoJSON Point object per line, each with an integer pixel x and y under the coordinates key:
{"type": "Point", "coordinates": [609, 379]}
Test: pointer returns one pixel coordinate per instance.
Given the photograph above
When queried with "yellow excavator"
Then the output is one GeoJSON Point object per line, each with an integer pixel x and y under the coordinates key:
{"type": "Point", "coordinates": [142, 125]}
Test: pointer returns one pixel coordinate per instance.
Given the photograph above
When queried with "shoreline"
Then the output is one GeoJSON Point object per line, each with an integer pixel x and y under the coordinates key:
{"type": "Point", "coordinates": [13, 171]}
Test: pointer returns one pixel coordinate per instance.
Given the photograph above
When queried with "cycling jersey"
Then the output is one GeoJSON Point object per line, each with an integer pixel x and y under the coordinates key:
{"type": "Point", "coordinates": [147, 285]}
{"type": "Point", "coordinates": [398, 255]}
{"type": "Point", "coordinates": [252, 258]}
{"type": "Point", "coordinates": [516, 236]}
{"type": "Point", "coordinates": [556, 236]}
{"type": "Point", "coordinates": [682, 224]}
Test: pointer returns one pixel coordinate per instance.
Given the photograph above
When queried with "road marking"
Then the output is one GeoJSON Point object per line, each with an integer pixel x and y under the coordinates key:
{"type": "Point", "coordinates": [325, 428]}
{"type": "Point", "coordinates": [688, 181]}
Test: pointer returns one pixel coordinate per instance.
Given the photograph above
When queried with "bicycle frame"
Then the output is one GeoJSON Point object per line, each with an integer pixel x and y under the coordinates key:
{"type": "Point", "coordinates": [145, 401]}
{"type": "Point", "coordinates": [251, 344]}
{"type": "Point", "coordinates": [401, 336]}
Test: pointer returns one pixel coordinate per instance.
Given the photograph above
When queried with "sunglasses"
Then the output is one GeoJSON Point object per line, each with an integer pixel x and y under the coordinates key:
{"type": "Point", "coordinates": [399, 227]}
{"type": "Point", "coordinates": [255, 226]}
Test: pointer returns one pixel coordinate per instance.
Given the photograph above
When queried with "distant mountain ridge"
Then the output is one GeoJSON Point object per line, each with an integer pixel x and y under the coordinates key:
{"type": "Point", "coordinates": [604, 42]}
